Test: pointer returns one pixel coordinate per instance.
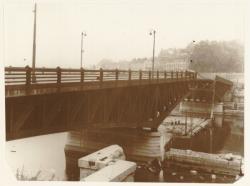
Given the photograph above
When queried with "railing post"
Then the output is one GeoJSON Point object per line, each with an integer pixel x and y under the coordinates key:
{"type": "Point", "coordinates": [157, 75]}
{"type": "Point", "coordinates": [165, 74]}
{"type": "Point", "coordinates": [149, 75]}
{"type": "Point", "coordinates": [28, 75]}
{"type": "Point", "coordinates": [43, 70]}
{"type": "Point", "coordinates": [140, 75]}
{"type": "Point", "coordinates": [116, 74]}
{"type": "Point", "coordinates": [59, 75]}
{"type": "Point", "coordinates": [185, 74]}
{"type": "Point", "coordinates": [181, 74]}
{"type": "Point", "coordinates": [172, 74]}
{"type": "Point", "coordinates": [177, 74]}
{"type": "Point", "coordinates": [129, 74]}
{"type": "Point", "coordinates": [82, 75]}
{"type": "Point", "coordinates": [101, 76]}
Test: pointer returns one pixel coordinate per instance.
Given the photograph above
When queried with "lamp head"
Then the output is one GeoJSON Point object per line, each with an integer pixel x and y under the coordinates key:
{"type": "Point", "coordinates": [84, 34]}
{"type": "Point", "coordinates": [152, 31]}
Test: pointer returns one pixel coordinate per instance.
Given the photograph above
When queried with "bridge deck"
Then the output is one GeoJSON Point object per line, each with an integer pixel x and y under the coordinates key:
{"type": "Point", "coordinates": [43, 101]}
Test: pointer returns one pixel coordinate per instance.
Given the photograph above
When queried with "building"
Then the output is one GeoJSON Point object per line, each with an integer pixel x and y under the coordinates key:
{"type": "Point", "coordinates": [173, 60]}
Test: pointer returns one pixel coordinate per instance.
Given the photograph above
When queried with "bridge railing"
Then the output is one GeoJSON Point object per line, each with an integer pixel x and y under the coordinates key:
{"type": "Point", "coordinates": [24, 78]}
{"type": "Point", "coordinates": [25, 75]}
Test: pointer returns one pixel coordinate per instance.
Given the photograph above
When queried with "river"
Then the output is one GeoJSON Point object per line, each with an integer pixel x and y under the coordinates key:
{"type": "Point", "coordinates": [46, 152]}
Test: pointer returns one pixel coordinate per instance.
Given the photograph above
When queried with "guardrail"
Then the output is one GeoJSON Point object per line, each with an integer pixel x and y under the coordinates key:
{"type": "Point", "coordinates": [26, 77]}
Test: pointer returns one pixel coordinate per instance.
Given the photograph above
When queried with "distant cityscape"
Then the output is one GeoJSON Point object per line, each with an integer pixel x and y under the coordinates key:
{"type": "Point", "coordinates": [202, 56]}
{"type": "Point", "coordinates": [167, 59]}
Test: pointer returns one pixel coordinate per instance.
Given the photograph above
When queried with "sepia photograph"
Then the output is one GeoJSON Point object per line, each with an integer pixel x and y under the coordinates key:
{"type": "Point", "coordinates": [123, 90]}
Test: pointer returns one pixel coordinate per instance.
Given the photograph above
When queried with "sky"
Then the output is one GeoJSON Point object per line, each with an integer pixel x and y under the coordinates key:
{"type": "Point", "coordinates": [116, 29]}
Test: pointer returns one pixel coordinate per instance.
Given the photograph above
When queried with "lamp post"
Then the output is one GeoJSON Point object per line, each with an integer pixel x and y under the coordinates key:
{"type": "Point", "coordinates": [153, 60]}
{"type": "Point", "coordinates": [34, 47]}
{"type": "Point", "coordinates": [83, 34]}
{"type": "Point", "coordinates": [190, 59]}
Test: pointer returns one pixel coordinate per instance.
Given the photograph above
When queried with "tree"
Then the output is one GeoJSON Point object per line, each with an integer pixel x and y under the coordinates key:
{"type": "Point", "coordinates": [213, 56]}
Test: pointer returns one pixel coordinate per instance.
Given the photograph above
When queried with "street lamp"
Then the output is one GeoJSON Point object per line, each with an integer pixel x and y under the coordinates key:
{"type": "Point", "coordinates": [34, 47]}
{"type": "Point", "coordinates": [192, 50]}
{"type": "Point", "coordinates": [83, 34]}
{"type": "Point", "coordinates": [152, 32]}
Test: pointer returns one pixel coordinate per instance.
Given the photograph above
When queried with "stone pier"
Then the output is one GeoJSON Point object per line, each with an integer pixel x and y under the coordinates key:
{"type": "Point", "coordinates": [138, 145]}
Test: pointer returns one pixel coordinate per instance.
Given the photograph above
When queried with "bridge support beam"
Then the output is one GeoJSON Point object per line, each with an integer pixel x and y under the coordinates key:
{"type": "Point", "coordinates": [134, 106]}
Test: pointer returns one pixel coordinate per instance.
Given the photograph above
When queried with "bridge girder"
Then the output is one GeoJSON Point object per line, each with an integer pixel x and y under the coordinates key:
{"type": "Point", "coordinates": [145, 105]}
{"type": "Point", "coordinates": [134, 106]}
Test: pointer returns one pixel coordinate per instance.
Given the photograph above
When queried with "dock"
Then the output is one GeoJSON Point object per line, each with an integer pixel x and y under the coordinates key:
{"type": "Point", "coordinates": [180, 126]}
{"type": "Point", "coordinates": [224, 164]}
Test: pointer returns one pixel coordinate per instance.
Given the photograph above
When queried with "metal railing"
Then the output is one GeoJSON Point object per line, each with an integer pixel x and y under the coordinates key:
{"type": "Point", "coordinates": [25, 75]}
{"type": "Point", "coordinates": [17, 78]}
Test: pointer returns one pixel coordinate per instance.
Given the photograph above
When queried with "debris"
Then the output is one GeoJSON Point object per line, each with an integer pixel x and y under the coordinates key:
{"type": "Point", "coordinates": [173, 173]}
{"type": "Point", "coordinates": [40, 175]}
{"type": "Point", "coordinates": [193, 172]}
{"type": "Point", "coordinates": [237, 177]}
{"type": "Point", "coordinates": [213, 176]}
{"type": "Point", "coordinates": [201, 177]}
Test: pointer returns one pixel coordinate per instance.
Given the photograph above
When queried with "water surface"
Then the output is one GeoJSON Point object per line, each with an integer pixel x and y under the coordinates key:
{"type": "Point", "coordinates": [46, 152]}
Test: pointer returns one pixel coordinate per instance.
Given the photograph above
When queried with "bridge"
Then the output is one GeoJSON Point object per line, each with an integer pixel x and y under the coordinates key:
{"type": "Point", "coordinates": [48, 100]}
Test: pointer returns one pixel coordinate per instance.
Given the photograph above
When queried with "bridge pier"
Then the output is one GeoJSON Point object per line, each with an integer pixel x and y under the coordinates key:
{"type": "Point", "coordinates": [138, 145]}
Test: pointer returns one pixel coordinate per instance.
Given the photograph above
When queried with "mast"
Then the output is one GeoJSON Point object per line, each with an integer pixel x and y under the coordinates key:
{"type": "Point", "coordinates": [81, 48]}
{"type": "Point", "coordinates": [153, 62]}
{"type": "Point", "coordinates": [213, 97]}
{"type": "Point", "coordinates": [211, 117]}
{"type": "Point", "coordinates": [34, 47]}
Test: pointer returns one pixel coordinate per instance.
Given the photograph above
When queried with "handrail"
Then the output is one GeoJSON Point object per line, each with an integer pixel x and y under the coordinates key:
{"type": "Point", "coordinates": [28, 76]}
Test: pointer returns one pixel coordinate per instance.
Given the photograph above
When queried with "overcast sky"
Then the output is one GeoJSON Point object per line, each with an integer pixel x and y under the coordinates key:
{"type": "Point", "coordinates": [116, 29]}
